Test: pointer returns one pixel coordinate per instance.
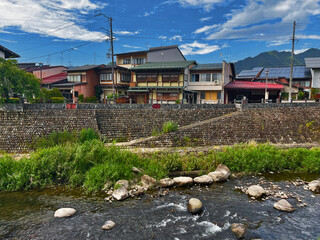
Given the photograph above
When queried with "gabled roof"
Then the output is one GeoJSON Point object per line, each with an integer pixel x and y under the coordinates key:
{"type": "Point", "coordinates": [250, 73]}
{"type": "Point", "coordinates": [153, 49]}
{"type": "Point", "coordinates": [8, 53]}
{"type": "Point", "coordinates": [207, 66]}
{"type": "Point", "coordinates": [164, 65]}
{"type": "Point", "coordinates": [162, 48]}
{"type": "Point", "coordinates": [252, 85]}
{"type": "Point", "coordinates": [299, 72]}
{"type": "Point", "coordinates": [84, 68]}
{"type": "Point", "coordinates": [312, 62]}
{"type": "Point", "coordinates": [54, 78]}
{"type": "Point", "coordinates": [133, 53]}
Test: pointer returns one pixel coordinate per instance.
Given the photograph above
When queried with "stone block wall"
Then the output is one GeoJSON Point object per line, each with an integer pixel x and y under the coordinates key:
{"type": "Point", "coordinates": [276, 125]}
{"type": "Point", "coordinates": [19, 129]}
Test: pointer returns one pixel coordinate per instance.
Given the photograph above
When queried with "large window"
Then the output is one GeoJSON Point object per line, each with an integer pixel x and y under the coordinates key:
{"type": "Point", "coordinates": [105, 77]}
{"type": "Point", "coordinates": [170, 77]}
{"type": "Point", "coordinates": [125, 77]}
{"type": "Point", "coordinates": [216, 77]}
{"type": "Point", "coordinates": [206, 77]}
{"type": "Point", "coordinates": [74, 78]}
{"type": "Point", "coordinates": [195, 77]}
{"type": "Point", "coordinates": [127, 61]}
{"type": "Point", "coordinates": [139, 61]}
{"type": "Point", "coordinates": [147, 77]}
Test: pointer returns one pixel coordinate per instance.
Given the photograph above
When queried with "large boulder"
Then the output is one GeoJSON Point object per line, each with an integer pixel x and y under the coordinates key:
{"type": "Point", "coordinates": [204, 179]}
{"type": "Point", "coordinates": [256, 191]}
{"type": "Point", "coordinates": [148, 182]}
{"type": "Point", "coordinates": [238, 229]}
{"type": "Point", "coordinates": [64, 212]}
{"type": "Point", "coordinates": [166, 182]}
{"type": "Point", "coordinates": [183, 181]}
{"type": "Point", "coordinates": [195, 206]}
{"type": "Point", "coordinates": [314, 186]}
{"type": "Point", "coordinates": [283, 205]}
{"type": "Point", "coordinates": [221, 174]}
{"type": "Point", "coordinates": [123, 183]}
{"type": "Point", "coordinates": [120, 193]}
{"type": "Point", "coordinates": [108, 225]}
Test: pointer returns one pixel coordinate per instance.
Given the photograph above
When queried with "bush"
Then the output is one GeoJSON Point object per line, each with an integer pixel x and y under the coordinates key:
{"type": "Point", "coordinates": [169, 126]}
{"type": "Point", "coordinates": [81, 98]}
{"type": "Point", "coordinates": [91, 99]}
{"type": "Point", "coordinates": [57, 100]}
{"type": "Point", "coordinates": [10, 100]}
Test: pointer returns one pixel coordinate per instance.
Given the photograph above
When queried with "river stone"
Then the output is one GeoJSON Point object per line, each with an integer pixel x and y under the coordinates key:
{"type": "Point", "coordinates": [183, 181]}
{"type": "Point", "coordinates": [123, 183]}
{"type": "Point", "coordinates": [120, 193]}
{"type": "Point", "coordinates": [238, 229]}
{"type": "Point", "coordinates": [64, 212]}
{"type": "Point", "coordinates": [148, 182]}
{"type": "Point", "coordinates": [166, 182]}
{"type": "Point", "coordinates": [314, 186]}
{"type": "Point", "coordinates": [283, 205]}
{"type": "Point", "coordinates": [195, 206]}
{"type": "Point", "coordinates": [256, 191]}
{"type": "Point", "coordinates": [204, 179]}
{"type": "Point", "coordinates": [136, 170]}
{"type": "Point", "coordinates": [221, 174]}
{"type": "Point", "coordinates": [108, 225]}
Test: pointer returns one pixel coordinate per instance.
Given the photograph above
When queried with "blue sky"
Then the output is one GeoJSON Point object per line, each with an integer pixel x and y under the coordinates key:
{"type": "Point", "coordinates": [67, 32]}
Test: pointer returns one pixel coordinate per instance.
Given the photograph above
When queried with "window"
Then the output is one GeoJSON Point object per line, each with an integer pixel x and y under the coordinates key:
{"type": "Point", "coordinates": [216, 76]}
{"type": "Point", "coordinates": [219, 95]}
{"type": "Point", "coordinates": [139, 61]}
{"type": "Point", "coordinates": [75, 78]}
{"type": "Point", "coordinates": [206, 77]}
{"type": "Point", "coordinates": [127, 61]}
{"type": "Point", "coordinates": [170, 77]}
{"type": "Point", "coordinates": [203, 95]}
{"type": "Point", "coordinates": [167, 96]}
{"type": "Point", "coordinates": [104, 77]}
{"type": "Point", "coordinates": [125, 77]}
{"type": "Point", "coordinates": [195, 77]}
{"type": "Point", "coordinates": [147, 77]}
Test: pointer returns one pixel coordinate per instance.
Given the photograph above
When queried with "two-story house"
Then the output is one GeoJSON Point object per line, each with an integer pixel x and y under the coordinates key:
{"type": "Point", "coordinates": [314, 65]}
{"type": "Point", "coordinates": [207, 82]}
{"type": "Point", "coordinates": [6, 53]}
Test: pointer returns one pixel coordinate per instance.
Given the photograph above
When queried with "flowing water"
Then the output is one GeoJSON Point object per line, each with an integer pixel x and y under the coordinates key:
{"type": "Point", "coordinates": [29, 214]}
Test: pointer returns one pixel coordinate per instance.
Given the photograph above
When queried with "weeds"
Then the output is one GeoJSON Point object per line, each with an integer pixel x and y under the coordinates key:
{"type": "Point", "coordinates": [169, 126]}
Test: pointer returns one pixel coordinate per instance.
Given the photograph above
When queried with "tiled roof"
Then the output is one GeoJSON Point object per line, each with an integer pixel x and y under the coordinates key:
{"type": "Point", "coordinates": [252, 85]}
{"type": "Point", "coordinates": [55, 78]}
{"type": "Point", "coordinates": [312, 62]}
{"type": "Point", "coordinates": [207, 66]}
{"type": "Point", "coordinates": [8, 53]}
{"type": "Point", "coordinates": [84, 68]}
{"type": "Point", "coordinates": [164, 65]}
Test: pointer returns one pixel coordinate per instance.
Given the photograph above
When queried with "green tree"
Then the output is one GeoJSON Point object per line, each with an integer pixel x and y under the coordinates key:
{"type": "Point", "coordinates": [14, 81]}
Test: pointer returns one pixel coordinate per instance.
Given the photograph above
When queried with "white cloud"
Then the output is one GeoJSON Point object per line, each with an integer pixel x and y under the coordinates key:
{"type": "Point", "coordinates": [205, 19]}
{"type": "Point", "coordinates": [176, 37]}
{"type": "Point", "coordinates": [55, 18]}
{"type": "Point", "coordinates": [205, 29]}
{"type": "Point", "coordinates": [146, 14]}
{"type": "Point", "coordinates": [129, 46]}
{"type": "Point", "coordinates": [297, 51]}
{"type": "Point", "coordinates": [126, 32]}
{"type": "Point", "coordinates": [197, 48]}
{"type": "Point", "coordinates": [315, 37]}
{"type": "Point", "coordinates": [163, 37]}
{"type": "Point", "coordinates": [206, 4]}
{"type": "Point", "coordinates": [264, 20]}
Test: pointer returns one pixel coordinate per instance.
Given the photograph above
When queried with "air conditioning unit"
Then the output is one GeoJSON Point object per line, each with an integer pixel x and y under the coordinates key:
{"type": "Point", "coordinates": [216, 82]}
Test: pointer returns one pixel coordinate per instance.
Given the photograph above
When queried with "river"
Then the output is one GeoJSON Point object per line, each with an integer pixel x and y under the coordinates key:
{"type": "Point", "coordinates": [29, 214]}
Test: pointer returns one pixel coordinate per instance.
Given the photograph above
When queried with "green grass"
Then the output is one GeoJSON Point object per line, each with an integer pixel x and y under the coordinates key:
{"type": "Point", "coordinates": [169, 126]}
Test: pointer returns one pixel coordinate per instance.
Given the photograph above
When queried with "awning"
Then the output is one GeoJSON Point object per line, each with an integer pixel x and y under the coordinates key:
{"type": "Point", "coordinates": [246, 85]}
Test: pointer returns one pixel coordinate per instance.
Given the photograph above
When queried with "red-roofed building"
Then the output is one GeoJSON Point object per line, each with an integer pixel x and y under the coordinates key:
{"type": "Point", "coordinates": [253, 91]}
{"type": "Point", "coordinates": [57, 78]}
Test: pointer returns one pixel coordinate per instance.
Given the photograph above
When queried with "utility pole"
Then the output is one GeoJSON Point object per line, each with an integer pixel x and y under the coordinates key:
{"type": "Point", "coordinates": [110, 35]}
{"type": "Point", "coordinates": [266, 95]}
{"type": "Point", "coordinates": [291, 68]}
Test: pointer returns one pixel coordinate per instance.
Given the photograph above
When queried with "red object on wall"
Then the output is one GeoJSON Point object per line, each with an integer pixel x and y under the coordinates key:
{"type": "Point", "coordinates": [156, 106]}
{"type": "Point", "coordinates": [71, 106]}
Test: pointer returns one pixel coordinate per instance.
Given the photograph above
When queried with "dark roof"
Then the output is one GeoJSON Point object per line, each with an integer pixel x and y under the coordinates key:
{"type": "Point", "coordinates": [84, 68]}
{"type": "Point", "coordinates": [132, 53]}
{"type": "Point", "coordinates": [250, 73]}
{"type": "Point", "coordinates": [69, 84]}
{"type": "Point", "coordinates": [54, 78]}
{"type": "Point", "coordinates": [207, 66]}
{"type": "Point", "coordinates": [8, 53]}
{"type": "Point", "coordinates": [252, 85]}
{"type": "Point", "coordinates": [37, 68]}
{"type": "Point", "coordinates": [312, 62]}
{"type": "Point", "coordinates": [164, 65]}
{"type": "Point", "coordinates": [299, 72]}
{"type": "Point", "coordinates": [162, 48]}
{"type": "Point", "coordinates": [109, 65]}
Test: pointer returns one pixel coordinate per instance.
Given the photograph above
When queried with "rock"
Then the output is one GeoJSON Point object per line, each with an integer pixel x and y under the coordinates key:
{"type": "Point", "coordinates": [64, 212]}
{"type": "Point", "coordinates": [256, 191]}
{"type": "Point", "coordinates": [137, 190]}
{"type": "Point", "coordinates": [136, 170]}
{"type": "Point", "coordinates": [283, 205]}
{"type": "Point", "coordinates": [166, 182]}
{"type": "Point", "coordinates": [238, 229]}
{"type": "Point", "coordinates": [108, 225]}
{"type": "Point", "coordinates": [195, 206]}
{"type": "Point", "coordinates": [148, 182]}
{"type": "Point", "coordinates": [204, 179]}
{"type": "Point", "coordinates": [221, 174]}
{"type": "Point", "coordinates": [314, 186]}
{"type": "Point", "coordinates": [183, 181]}
{"type": "Point", "coordinates": [120, 193]}
{"type": "Point", "coordinates": [123, 183]}
{"type": "Point", "coordinates": [107, 186]}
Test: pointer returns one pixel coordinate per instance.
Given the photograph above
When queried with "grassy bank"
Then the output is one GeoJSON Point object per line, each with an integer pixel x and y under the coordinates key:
{"type": "Point", "coordinates": [84, 161]}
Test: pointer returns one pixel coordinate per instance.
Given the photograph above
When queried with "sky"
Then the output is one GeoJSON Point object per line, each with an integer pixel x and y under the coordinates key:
{"type": "Point", "coordinates": [69, 32]}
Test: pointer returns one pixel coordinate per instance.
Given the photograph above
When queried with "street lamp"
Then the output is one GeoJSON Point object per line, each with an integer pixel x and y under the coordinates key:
{"type": "Point", "coordinates": [266, 95]}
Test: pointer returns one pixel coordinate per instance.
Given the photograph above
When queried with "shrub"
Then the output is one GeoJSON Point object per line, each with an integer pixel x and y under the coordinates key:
{"type": "Point", "coordinates": [81, 98]}
{"type": "Point", "coordinates": [169, 126]}
{"type": "Point", "coordinates": [91, 99]}
{"type": "Point", "coordinates": [57, 99]}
